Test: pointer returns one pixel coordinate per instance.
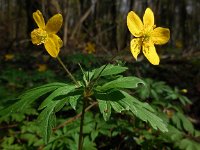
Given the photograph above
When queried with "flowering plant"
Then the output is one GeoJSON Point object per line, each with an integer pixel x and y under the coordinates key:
{"type": "Point", "coordinates": [105, 87]}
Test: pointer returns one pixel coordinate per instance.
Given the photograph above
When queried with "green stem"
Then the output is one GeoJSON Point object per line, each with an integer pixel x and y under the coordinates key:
{"type": "Point", "coordinates": [80, 143]}
{"type": "Point", "coordinates": [68, 72]}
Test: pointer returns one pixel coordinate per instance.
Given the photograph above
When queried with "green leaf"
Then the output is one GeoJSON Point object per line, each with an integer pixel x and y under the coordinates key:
{"type": "Point", "coordinates": [184, 100]}
{"type": "Point", "coordinates": [94, 134]}
{"type": "Point", "coordinates": [46, 121]}
{"type": "Point", "coordinates": [188, 144]}
{"type": "Point", "coordinates": [120, 100]}
{"type": "Point", "coordinates": [61, 103]}
{"type": "Point", "coordinates": [173, 134]}
{"type": "Point", "coordinates": [117, 107]}
{"type": "Point", "coordinates": [105, 109]}
{"type": "Point", "coordinates": [108, 99]}
{"type": "Point", "coordinates": [73, 97]}
{"type": "Point", "coordinates": [54, 84]}
{"type": "Point", "coordinates": [108, 70]}
{"type": "Point", "coordinates": [30, 96]}
{"type": "Point", "coordinates": [144, 112]}
{"type": "Point", "coordinates": [88, 144]}
{"type": "Point", "coordinates": [73, 100]}
{"type": "Point", "coordinates": [58, 92]}
{"type": "Point", "coordinates": [187, 125]}
{"type": "Point", "coordinates": [176, 120]}
{"type": "Point", "coordinates": [142, 104]}
{"type": "Point", "coordinates": [31, 138]}
{"type": "Point", "coordinates": [123, 82]}
{"type": "Point", "coordinates": [113, 95]}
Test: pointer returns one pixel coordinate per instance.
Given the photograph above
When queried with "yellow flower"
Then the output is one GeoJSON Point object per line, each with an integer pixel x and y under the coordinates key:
{"type": "Point", "coordinates": [42, 67]}
{"type": "Point", "coordinates": [90, 48]}
{"type": "Point", "coordinates": [184, 90]}
{"type": "Point", "coordinates": [9, 57]}
{"type": "Point", "coordinates": [146, 35]}
{"type": "Point", "coordinates": [169, 113]}
{"type": "Point", "coordinates": [179, 44]}
{"type": "Point", "coordinates": [46, 34]}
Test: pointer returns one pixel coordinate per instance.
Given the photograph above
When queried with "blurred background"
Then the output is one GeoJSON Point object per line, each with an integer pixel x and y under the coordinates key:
{"type": "Point", "coordinates": [100, 22]}
{"type": "Point", "coordinates": [93, 31]}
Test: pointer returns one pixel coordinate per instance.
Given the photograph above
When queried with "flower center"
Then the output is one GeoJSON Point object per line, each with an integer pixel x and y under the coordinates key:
{"type": "Point", "coordinates": [40, 36]}
{"type": "Point", "coordinates": [147, 33]}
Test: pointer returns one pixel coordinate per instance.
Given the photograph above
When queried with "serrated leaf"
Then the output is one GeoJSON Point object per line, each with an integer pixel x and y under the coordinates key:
{"type": "Point", "coordinates": [46, 121]}
{"type": "Point", "coordinates": [154, 120]}
{"type": "Point", "coordinates": [105, 109]}
{"type": "Point", "coordinates": [143, 104]}
{"type": "Point", "coordinates": [117, 107]}
{"type": "Point", "coordinates": [73, 101]}
{"type": "Point", "coordinates": [110, 98]}
{"type": "Point", "coordinates": [187, 125]}
{"type": "Point", "coordinates": [31, 138]}
{"type": "Point", "coordinates": [174, 134]}
{"type": "Point", "coordinates": [142, 112]}
{"type": "Point", "coordinates": [188, 144]}
{"type": "Point", "coordinates": [127, 102]}
{"type": "Point", "coordinates": [94, 134]}
{"type": "Point", "coordinates": [58, 92]}
{"type": "Point", "coordinates": [123, 82]}
{"type": "Point", "coordinates": [105, 100]}
{"type": "Point", "coordinates": [30, 96]}
{"type": "Point", "coordinates": [61, 103]}
{"type": "Point", "coordinates": [176, 120]}
{"type": "Point", "coordinates": [88, 144]}
{"type": "Point", "coordinates": [108, 70]}
{"type": "Point", "coordinates": [114, 95]}
{"type": "Point", "coordinates": [184, 100]}
{"type": "Point", "coordinates": [54, 84]}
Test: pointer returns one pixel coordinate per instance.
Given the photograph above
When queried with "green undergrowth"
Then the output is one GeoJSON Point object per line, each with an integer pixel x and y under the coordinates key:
{"type": "Point", "coordinates": [141, 114]}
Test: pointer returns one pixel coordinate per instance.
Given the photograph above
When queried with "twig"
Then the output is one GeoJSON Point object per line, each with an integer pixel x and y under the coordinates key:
{"type": "Point", "coordinates": [9, 126]}
{"type": "Point", "coordinates": [85, 15]}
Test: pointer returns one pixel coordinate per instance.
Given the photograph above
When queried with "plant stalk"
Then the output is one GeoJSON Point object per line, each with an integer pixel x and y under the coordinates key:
{"type": "Point", "coordinates": [80, 143]}
{"type": "Point", "coordinates": [74, 118]}
{"type": "Point", "coordinates": [68, 72]}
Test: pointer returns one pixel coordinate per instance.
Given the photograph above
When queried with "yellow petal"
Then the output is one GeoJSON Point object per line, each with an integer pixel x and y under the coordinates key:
{"type": "Point", "coordinates": [51, 47]}
{"type": "Point", "coordinates": [148, 19]}
{"type": "Point", "coordinates": [150, 53]}
{"type": "Point", "coordinates": [160, 35]}
{"type": "Point", "coordinates": [57, 40]}
{"type": "Point", "coordinates": [38, 36]}
{"type": "Point", "coordinates": [54, 23]}
{"type": "Point", "coordinates": [134, 24]}
{"type": "Point", "coordinates": [136, 47]}
{"type": "Point", "coordinates": [38, 17]}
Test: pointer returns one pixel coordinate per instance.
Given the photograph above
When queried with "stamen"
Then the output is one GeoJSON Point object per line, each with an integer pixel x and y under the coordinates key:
{"type": "Point", "coordinates": [40, 36]}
